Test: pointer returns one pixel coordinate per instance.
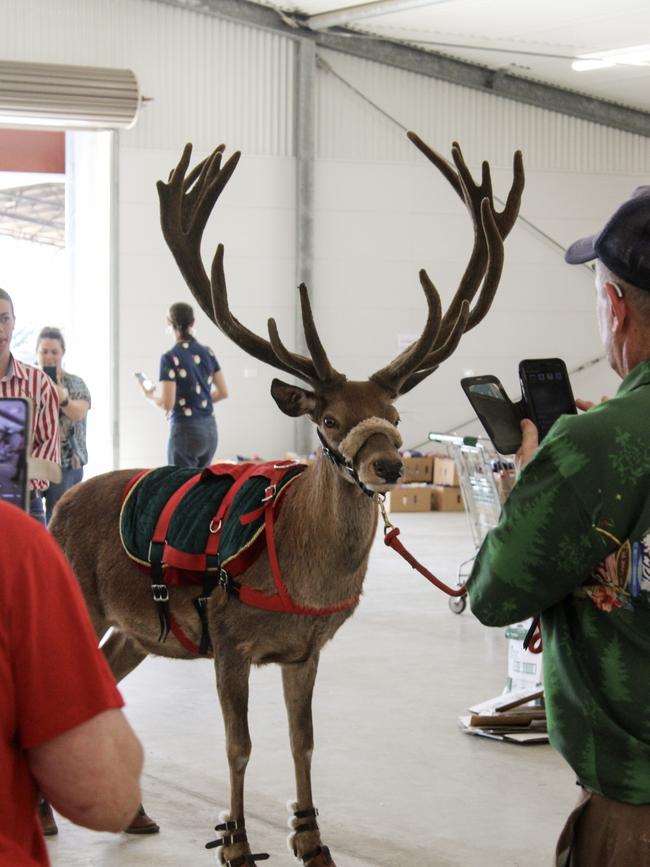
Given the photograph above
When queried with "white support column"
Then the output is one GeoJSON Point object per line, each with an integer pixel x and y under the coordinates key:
{"type": "Point", "coordinates": [305, 138]}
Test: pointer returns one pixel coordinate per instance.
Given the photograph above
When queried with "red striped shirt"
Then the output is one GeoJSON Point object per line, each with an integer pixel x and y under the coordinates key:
{"type": "Point", "coordinates": [23, 380]}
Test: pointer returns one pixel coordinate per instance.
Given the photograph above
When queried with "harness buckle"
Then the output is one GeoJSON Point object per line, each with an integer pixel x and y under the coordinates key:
{"type": "Point", "coordinates": [160, 592]}
{"type": "Point", "coordinates": [226, 582]}
{"type": "Point", "coordinates": [155, 551]}
{"type": "Point", "coordinates": [269, 493]}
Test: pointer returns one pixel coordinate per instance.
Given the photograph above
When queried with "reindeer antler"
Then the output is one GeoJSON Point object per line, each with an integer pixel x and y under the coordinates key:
{"type": "Point", "coordinates": [186, 203]}
{"type": "Point", "coordinates": [483, 270]}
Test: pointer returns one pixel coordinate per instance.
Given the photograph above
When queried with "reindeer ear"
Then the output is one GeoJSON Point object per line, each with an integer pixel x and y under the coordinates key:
{"type": "Point", "coordinates": [291, 399]}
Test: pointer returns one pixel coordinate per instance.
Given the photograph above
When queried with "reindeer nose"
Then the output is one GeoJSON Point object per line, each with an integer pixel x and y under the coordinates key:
{"type": "Point", "coordinates": [389, 471]}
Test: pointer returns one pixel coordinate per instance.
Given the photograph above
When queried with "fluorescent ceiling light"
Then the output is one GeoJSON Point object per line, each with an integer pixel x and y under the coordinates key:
{"type": "Point", "coordinates": [591, 63]}
{"type": "Point", "coordinates": [638, 55]}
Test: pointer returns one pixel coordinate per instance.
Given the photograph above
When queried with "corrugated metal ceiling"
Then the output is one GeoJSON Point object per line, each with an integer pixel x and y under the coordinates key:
{"type": "Point", "coordinates": [531, 39]}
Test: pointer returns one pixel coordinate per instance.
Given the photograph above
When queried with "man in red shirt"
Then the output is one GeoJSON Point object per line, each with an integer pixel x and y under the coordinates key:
{"type": "Point", "coordinates": [23, 380]}
{"type": "Point", "coordinates": [61, 728]}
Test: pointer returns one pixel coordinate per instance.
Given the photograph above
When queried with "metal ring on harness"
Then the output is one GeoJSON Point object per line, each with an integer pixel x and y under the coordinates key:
{"type": "Point", "coordinates": [269, 493]}
{"type": "Point", "coordinates": [215, 529]}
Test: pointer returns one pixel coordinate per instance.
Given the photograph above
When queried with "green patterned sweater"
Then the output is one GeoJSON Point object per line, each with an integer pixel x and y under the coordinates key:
{"type": "Point", "coordinates": [574, 543]}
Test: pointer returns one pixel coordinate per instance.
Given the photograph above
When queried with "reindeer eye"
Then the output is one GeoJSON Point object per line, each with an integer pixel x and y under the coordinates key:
{"type": "Point", "coordinates": [328, 421]}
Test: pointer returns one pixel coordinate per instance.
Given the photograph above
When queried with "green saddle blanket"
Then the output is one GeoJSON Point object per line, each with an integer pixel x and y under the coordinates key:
{"type": "Point", "coordinates": [191, 523]}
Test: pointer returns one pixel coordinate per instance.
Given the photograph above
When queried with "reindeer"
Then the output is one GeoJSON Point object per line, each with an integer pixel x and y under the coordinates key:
{"type": "Point", "coordinates": [327, 524]}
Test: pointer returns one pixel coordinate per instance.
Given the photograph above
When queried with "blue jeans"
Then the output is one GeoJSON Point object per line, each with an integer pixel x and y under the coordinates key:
{"type": "Point", "coordinates": [70, 476]}
{"type": "Point", "coordinates": [192, 441]}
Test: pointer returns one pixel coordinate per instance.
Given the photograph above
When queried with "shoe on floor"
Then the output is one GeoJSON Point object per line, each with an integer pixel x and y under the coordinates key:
{"type": "Point", "coordinates": [142, 824]}
{"type": "Point", "coordinates": [46, 817]}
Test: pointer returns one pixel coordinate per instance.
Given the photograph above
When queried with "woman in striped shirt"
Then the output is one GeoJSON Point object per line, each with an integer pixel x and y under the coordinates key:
{"type": "Point", "coordinates": [23, 380]}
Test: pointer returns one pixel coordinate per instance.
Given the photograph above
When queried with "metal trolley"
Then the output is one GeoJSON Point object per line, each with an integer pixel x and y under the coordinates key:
{"type": "Point", "coordinates": [485, 480]}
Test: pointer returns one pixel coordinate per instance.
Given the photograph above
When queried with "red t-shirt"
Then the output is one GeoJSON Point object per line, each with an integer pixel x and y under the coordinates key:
{"type": "Point", "coordinates": [52, 675]}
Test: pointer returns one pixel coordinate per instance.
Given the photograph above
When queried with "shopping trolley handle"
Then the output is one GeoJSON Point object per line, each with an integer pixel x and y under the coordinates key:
{"type": "Point", "coordinates": [454, 439]}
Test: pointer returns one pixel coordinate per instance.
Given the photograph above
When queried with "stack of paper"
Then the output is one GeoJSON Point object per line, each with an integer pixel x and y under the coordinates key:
{"type": "Point", "coordinates": [517, 717]}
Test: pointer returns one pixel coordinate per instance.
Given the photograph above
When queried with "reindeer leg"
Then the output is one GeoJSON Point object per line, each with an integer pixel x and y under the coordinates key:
{"type": "Point", "coordinates": [304, 842]}
{"type": "Point", "coordinates": [122, 654]}
{"type": "Point", "coordinates": [232, 685]}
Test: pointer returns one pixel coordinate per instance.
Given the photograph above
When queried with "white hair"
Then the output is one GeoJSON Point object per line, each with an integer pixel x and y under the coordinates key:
{"type": "Point", "coordinates": [639, 299]}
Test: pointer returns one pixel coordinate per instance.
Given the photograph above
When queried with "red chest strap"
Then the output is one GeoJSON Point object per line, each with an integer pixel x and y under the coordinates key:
{"type": "Point", "coordinates": [281, 602]}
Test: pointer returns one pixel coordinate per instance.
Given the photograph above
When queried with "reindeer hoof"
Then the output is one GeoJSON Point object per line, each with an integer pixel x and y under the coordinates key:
{"type": "Point", "coordinates": [142, 824]}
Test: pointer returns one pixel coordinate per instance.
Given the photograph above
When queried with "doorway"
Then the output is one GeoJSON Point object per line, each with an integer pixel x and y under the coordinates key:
{"type": "Point", "coordinates": [56, 247]}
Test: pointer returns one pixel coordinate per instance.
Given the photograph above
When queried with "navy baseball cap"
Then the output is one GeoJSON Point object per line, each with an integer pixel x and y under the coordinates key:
{"type": "Point", "coordinates": [623, 245]}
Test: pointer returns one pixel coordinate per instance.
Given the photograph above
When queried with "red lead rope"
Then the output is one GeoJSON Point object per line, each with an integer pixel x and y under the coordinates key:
{"type": "Point", "coordinates": [390, 539]}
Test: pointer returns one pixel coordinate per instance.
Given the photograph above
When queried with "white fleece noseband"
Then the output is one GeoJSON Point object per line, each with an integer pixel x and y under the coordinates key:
{"type": "Point", "coordinates": [361, 433]}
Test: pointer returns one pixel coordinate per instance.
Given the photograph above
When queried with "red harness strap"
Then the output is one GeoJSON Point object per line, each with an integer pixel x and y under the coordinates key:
{"type": "Point", "coordinates": [174, 557]}
{"type": "Point", "coordinates": [280, 601]}
{"type": "Point", "coordinates": [187, 643]}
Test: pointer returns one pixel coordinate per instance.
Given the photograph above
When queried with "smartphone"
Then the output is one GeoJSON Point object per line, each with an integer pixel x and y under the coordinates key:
{"type": "Point", "coordinates": [547, 391]}
{"type": "Point", "coordinates": [15, 443]}
{"type": "Point", "coordinates": [497, 413]}
{"type": "Point", "coordinates": [147, 384]}
{"type": "Point", "coordinates": [51, 371]}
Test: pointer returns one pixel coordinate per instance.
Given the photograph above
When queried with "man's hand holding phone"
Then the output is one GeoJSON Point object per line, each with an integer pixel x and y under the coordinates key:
{"type": "Point", "coordinates": [546, 395]}
{"type": "Point", "coordinates": [529, 444]}
{"type": "Point", "coordinates": [584, 405]}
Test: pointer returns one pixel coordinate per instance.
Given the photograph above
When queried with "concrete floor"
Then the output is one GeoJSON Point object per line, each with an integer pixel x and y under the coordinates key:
{"type": "Point", "coordinates": [395, 780]}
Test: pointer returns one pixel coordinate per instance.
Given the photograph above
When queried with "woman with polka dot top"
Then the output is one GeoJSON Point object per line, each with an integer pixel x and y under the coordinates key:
{"type": "Point", "coordinates": [191, 381]}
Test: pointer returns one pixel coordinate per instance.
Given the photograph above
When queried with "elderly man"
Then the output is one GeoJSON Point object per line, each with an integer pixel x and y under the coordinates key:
{"type": "Point", "coordinates": [23, 380]}
{"type": "Point", "coordinates": [574, 543]}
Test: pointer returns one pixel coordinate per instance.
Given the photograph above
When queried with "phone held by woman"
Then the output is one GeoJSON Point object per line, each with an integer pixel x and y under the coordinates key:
{"type": "Point", "coordinates": [144, 381]}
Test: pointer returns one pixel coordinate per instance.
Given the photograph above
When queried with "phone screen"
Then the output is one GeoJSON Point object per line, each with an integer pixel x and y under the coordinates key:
{"type": "Point", "coordinates": [547, 391]}
{"type": "Point", "coordinates": [496, 412]}
{"type": "Point", "coordinates": [15, 435]}
{"type": "Point", "coordinates": [146, 382]}
{"type": "Point", "coordinates": [50, 370]}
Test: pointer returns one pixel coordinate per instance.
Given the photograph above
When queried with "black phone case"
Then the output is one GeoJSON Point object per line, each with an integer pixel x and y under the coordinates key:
{"type": "Point", "coordinates": [526, 369]}
{"type": "Point", "coordinates": [503, 446]}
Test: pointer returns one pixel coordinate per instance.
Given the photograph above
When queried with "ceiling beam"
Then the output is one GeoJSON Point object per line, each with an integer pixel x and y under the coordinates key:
{"type": "Point", "coordinates": [347, 14]}
{"type": "Point", "coordinates": [431, 63]}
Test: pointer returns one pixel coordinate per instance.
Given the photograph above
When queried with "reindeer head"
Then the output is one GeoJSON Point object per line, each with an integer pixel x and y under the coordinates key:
{"type": "Point", "coordinates": [356, 421]}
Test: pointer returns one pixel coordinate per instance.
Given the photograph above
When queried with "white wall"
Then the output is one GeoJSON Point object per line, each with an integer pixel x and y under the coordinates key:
{"type": "Point", "coordinates": [381, 211]}
{"type": "Point", "coordinates": [381, 218]}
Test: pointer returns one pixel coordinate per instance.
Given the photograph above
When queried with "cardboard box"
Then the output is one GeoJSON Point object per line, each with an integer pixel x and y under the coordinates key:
{"type": "Point", "coordinates": [446, 499]}
{"type": "Point", "coordinates": [410, 498]}
{"type": "Point", "coordinates": [418, 469]}
{"type": "Point", "coordinates": [444, 472]}
{"type": "Point", "coordinates": [524, 668]}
